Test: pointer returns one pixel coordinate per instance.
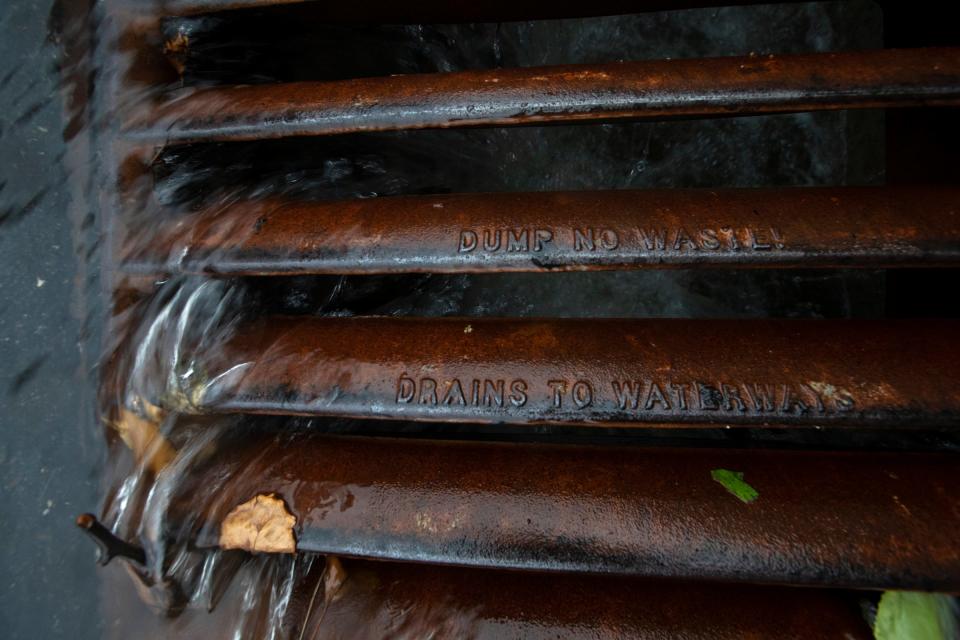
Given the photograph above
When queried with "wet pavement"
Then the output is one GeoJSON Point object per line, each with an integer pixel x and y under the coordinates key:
{"type": "Point", "coordinates": [48, 447]}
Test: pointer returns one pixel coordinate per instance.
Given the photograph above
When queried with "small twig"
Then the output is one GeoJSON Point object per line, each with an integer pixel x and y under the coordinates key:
{"type": "Point", "coordinates": [316, 589]}
{"type": "Point", "coordinates": [109, 545]}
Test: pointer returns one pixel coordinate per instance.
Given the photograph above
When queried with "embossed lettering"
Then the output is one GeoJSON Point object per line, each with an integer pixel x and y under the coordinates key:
{"type": "Point", "coordinates": [709, 240]}
{"type": "Point", "coordinates": [468, 241]}
{"type": "Point", "coordinates": [625, 392]}
{"type": "Point", "coordinates": [406, 389]}
{"type": "Point", "coordinates": [654, 396]}
{"type": "Point", "coordinates": [654, 239]}
{"type": "Point", "coordinates": [649, 395]}
{"type": "Point", "coordinates": [731, 237]}
{"type": "Point", "coordinates": [582, 394]}
{"type": "Point", "coordinates": [816, 397]}
{"type": "Point", "coordinates": [731, 397]}
{"type": "Point", "coordinates": [791, 400]}
{"type": "Point", "coordinates": [756, 242]}
{"type": "Point", "coordinates": [559, 387]}
{"type": "Point", "coordinates": [454, 394]}
{"type": "Point", "coordinates": [709, 397]}
{"type": "Point", "coordinates": [680, 395]}
{"type": "Point", "coordinates": [777, 238]}
{"type": "Point", "coordinates": [491, 239]}
{"type": "Point", "coordinates": [509, 240]}
{"type": "Point", "coordinates": [518, 393]}
{"type": "Point", "coordinates": [844, 401]}
{"type": "Point", "coordinates": [517, 240]}
{"type": "Point", "coordinates": [682, 239]}
{"type": "Point", "coordinates": [583, 239]}
{"type": "Point", "coordinates": [493, 392]}
{"type": "Point", "coordinates": [541, 237]}
{"type": "Point", "coordinates": [763, 396]}
{"type": "Point", "coordinates": [428, 391]}
{"type": "Point", "coordinates": [609, 239]}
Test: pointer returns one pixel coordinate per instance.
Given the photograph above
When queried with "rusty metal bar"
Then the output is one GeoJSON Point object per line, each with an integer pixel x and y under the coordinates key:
{"type": "Point", "coordinates": [499, 604]}
{"type": "Point", "coordinates": [590, 372]}
{"type": "Point", "coordinates": [443, 10]}
{"type": "Point", "coordinates": [565, 231]}
{"type": "Point", "coordinates": [649, 89]}
{"type": "Point", "coordinates": [833, 519]}
{"type": "Point", "coordinates": [362, 599]}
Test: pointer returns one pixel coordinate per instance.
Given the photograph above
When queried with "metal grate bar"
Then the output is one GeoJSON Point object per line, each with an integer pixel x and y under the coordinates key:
{"type": "Point", "coordinates": [501, 604]}
{"type": "Point", "coordinates": [589, 372]}
{"type": "Point", "coordinates": [644, 512]}
{"type": "Point", "coordinates": [383, 11]}
{"type": "Point", "coordinates": [863, 520]}
{"type": "Point", "coordinates": [859, 227]}
{"type": "Point", "coordinates": [650, 89]}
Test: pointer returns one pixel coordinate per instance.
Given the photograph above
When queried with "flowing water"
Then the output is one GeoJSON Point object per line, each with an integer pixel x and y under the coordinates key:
{"type": "Point", "coordinates": [92, 356]}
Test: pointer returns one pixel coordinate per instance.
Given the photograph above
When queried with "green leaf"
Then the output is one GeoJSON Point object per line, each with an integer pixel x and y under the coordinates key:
{"type": "Point", "coordinates": [733, 482]}
{"type": "Point", "coordinates": [906, 615]}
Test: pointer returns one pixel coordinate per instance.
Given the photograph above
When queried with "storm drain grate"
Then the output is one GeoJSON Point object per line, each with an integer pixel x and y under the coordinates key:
{"type": "Point", "coordinates": [857, 519]}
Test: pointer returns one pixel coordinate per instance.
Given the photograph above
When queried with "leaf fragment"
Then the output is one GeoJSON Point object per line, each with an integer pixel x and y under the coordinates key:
{"type": "Point", "coordinates": [908, 615]}
{"type": "Point", "coordinates": [733, 482]}
{"type": "Point", "coordinates": [143, 436]}
{"type": "Point", "coordinates": [260, 525]}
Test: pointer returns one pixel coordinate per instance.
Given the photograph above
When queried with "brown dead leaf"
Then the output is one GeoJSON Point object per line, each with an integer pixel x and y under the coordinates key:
{"type": "Point", "coordinates": [176, 50]}
{"type": "Point", "coordinates": [143, 437]}
{"type": "Point", "coordinates": [261, 524]}
{"type": "Point", "coordinates": [333, 579]}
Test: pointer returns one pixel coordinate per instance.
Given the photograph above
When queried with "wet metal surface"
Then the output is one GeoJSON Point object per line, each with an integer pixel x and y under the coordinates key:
{"type": "Point", "coordinates": [609, 372]}
{"type": "Point", "coordinates": [379, 600]}
{"type": "Point", "coordinates": [862, 227]}
{"type": "Point", "coordinates": [376, 600]}
{"type": "Point", "coordinates": [562, 509]}
{"type": "Point", "coordinates": [648, 89]}
{"type": "Point", "coordinates": [443, 10]}
{"type": "Point", "coordinates": [864, 520]}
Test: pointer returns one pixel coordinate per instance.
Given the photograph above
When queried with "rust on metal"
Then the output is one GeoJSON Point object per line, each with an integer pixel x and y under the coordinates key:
{"type": "Point", "coordinates": [376, 598]}
{"type": "Point", "coordinates": [873, 520]}
{"type": "Point", "coordinates": [384, 11]}
{"type": "Point", "coordinates": [373, 600]}
{"type": "Point", "coordinates": [798, 227]}
{"type": "Point", "coordinates": [590, 372]}
{"type": "Point", "coordinates": [649, 89]}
